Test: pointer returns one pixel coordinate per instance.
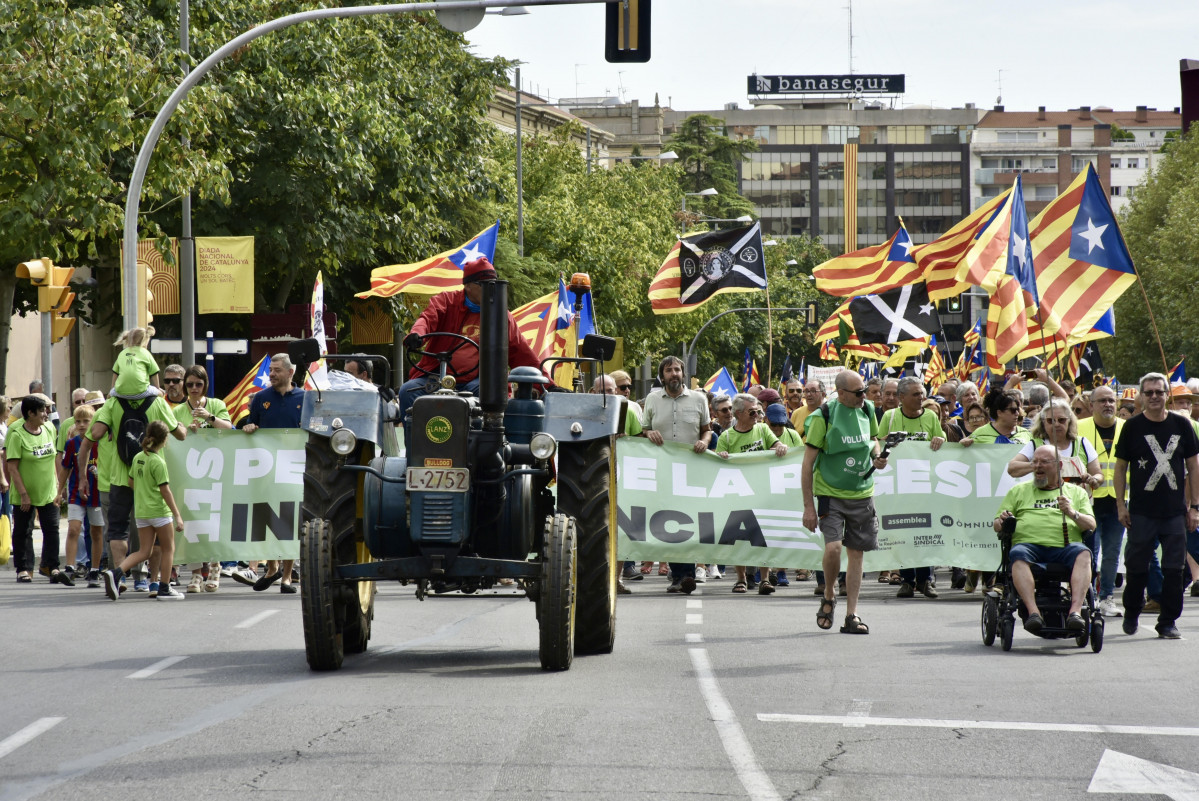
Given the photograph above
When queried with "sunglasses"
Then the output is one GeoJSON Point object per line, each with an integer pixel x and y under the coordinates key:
{"type": "Point", "coordinates": [1153, 393]}
{"type": "Point", "coordinates": [624, 387]}
{"type": "Point", "coordinates": [859, 392]}
{"type": "Point", "coordinates": [172, 380]}
{"type": "Point", "coordinates": [195, 385]}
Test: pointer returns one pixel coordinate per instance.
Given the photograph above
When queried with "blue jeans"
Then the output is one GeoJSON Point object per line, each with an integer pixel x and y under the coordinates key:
{"type": "Point", "coordinates": [415, 388]}
{"type": "Point", "coordinates": [1108, 536]}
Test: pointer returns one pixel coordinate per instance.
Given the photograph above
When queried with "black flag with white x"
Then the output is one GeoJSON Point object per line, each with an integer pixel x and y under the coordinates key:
{"type": "Point", "coordinates": [895, 316]}
{"type": "Point", "coordinates": [728, 260]}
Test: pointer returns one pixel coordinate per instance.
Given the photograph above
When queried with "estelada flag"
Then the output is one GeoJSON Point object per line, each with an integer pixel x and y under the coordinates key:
{"type": "Point", "coordinates": [702, 266]}
{"type": "Point", "coordinates": [871, 270]}
{"type": "Point", "coordinates": [436, 274]}
{"type": "Point", "coordinates": [941, 258]}
{"type": "Point", "coordinates": [238, 401]}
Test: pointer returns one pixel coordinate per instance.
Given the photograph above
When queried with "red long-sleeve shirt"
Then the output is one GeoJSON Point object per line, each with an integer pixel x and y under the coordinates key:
{"type": "Point", "coordinates": [447, 312]}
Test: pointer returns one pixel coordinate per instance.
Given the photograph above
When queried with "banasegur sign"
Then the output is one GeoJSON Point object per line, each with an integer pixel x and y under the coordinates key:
{"type": "Point", "coordinates": [815, 84]}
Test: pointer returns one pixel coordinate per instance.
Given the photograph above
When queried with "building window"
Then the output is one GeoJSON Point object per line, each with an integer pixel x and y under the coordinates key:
{"type": "Point", "coordinates": [947, 135]}
{"type": "Point", "coordinates": [1152, 134]}
{"type": "Point", "coordinates": [1079, 163]}
{"type": "Point", "coordinates": [1013, 164]}
{"type": "Point", "coordinates": [795, 135]}
{"type": "Point", "coordinates": [1049, 164]}
{"type": "Point", "coordinates": [1044, 192]}
{"type": "Point", "coordinates": [1134, 164]}
{"type": "Point", "coordinates": [906, 135]}
{"type": "Point", "coordinates": [1115, 191]}
{"type": "Point", "coordinates": [840, 134]}
{"type": "Point", "coordinates": [1016, 136]}
{"type": "Point", "coordinates": [1115, 164]}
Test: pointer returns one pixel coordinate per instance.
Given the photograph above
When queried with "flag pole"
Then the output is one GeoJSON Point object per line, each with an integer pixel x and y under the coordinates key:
{"type": "Point", "coordinates": [1153, 322]}
{"type": "Point", "coordinates": [769, 338]}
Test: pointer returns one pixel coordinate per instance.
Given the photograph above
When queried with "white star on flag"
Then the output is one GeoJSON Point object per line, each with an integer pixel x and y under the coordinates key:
{"type": "Point", "coordinates": [1093, 235]}
{"type": "Point", "coordinates": [907, 247]}
{"type": "Point", "coordinates": [1018, 248]}
{"type": "Point", "coordinates": [263, 381]}
{"type": "Point", "coordinates": [470, 253]}
{"type": "Point", "coordinates": [927, 308]}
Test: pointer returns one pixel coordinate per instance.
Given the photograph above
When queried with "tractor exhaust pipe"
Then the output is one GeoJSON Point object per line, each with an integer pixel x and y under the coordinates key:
{"type": "Point", "coordinates": [493, 354]}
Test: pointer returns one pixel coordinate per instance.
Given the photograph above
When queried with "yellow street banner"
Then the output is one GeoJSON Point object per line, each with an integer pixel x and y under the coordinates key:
{"type": "Point", "coordinates": [225, 274]}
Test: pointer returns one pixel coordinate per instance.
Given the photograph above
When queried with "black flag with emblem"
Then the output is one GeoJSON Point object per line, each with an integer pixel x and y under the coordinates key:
{"type": "Point", "coordinates": [895, 316]}
{"type": "Point", "coordinates": [730, 259]}
{"type": "Point", "coordinates": [1090, 365]}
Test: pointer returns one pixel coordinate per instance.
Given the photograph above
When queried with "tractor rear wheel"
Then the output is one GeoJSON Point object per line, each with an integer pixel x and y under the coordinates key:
{"type": "Point", "coordinates": [331, 496]}
{"type": "Point", "coordinates": [586, 487]}
{"type": "Point", "coordinates": [556, 604]}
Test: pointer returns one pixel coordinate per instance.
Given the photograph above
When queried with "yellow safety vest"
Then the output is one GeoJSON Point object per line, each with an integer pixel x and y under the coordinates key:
{"type": "Point", "coordinates": [1107, 456]}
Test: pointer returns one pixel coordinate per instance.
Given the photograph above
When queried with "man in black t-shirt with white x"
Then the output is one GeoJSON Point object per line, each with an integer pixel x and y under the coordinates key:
{"type": "Point", "coordinates": [1160, 453]}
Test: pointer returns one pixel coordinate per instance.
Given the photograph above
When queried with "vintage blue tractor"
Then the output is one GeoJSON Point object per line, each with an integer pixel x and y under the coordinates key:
{"type": "Point", "coordinates": [469, 503]}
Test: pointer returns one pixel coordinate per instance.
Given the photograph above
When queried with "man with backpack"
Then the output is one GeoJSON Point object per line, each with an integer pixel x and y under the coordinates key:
{"type": "Point", "coordinates": [122, 423]}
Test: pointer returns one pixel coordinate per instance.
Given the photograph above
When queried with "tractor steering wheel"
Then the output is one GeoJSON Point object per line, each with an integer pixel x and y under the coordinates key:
{"type": "Point", "coordinates": [445, 357]}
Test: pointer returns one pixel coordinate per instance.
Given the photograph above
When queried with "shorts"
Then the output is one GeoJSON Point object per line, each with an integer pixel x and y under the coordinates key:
{"type": "Point", "coordinates": [154, 522]}
{"type": "Point", "coordinates": [1048, 554]}
{"type": "Point", "coordinates": [118, 513]}
{"type": "Point", "coordinates": [95, 515]}
{"type": "Point", "coordinates": [848, 520]}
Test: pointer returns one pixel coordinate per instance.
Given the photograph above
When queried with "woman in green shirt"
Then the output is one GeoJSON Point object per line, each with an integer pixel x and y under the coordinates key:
{"type": "Point", "coordinates": [198, 410]}
{"type": "Point", "coordinates": [30, 454]}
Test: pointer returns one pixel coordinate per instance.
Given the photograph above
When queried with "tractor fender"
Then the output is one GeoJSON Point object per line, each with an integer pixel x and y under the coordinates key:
{"type": "Point", "coordinates": [361, 412]}
{"type": "Point", "coordinates": [597, 416]}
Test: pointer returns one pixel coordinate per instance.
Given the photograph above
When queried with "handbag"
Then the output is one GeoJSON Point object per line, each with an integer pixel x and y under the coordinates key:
{"type": "Point", "coordinates": [5, 539]}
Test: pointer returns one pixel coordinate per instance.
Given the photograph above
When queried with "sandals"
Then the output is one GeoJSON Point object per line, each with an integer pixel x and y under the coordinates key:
{"type": "Point", "coordinates": [740, 587]}
{"type": "Point", "coordinates": [824, 617]}
{"type": "Point", "coordinates": [663, 569]}
{"type": "Point", "coordinates": [212, 583]}
{"type": "Point", "coordinates": [24, 578]}
{"type": "Point", "coordinates": [854, 625]}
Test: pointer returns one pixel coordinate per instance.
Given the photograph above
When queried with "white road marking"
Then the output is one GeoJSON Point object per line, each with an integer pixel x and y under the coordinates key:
{"type": "Point", "coordinates": [695, 604]}
{"type": "Point", "coordinates": [1122, 773]}
{"type": "Point", "coordinates": [255, 619]}
{"type": "Point", "coordinates": [859, 709]}
{"type": "Point", "coordinates": [162, 664]}
{"type": "Point", "coordinates": [1001, 725]}
{"type": "Point", "coordinates": [741, 755]}
{"type": "Point", "coordinates": [695, 620]}
{"type": "Point", "coordinates": [15, 741]}
{"type": "Point", "coordinates": [694, 636]}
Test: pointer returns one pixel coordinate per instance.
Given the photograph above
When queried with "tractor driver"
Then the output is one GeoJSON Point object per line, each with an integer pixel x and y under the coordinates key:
{"type": "Point", "coordinates": [457, 312]}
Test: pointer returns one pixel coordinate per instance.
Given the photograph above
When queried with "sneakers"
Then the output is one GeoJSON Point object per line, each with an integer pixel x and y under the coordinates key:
{"type": "Point", "coordinates": [629, 573]}
{"type": "Point", "coordinates": [906, 591]}
{"type": "Point", "coordinates": [141, 585]}
{"type": "Point", "coordinates": [783, 581]}
{"type": "Point", "coordinates": [714, 572]}
{"type": "Point", "coordinates": [110, 585]}
{"type": "Point", "coordinates": [93, 579]}
{"type": "Point", "coordinates": [1109, 608]}
{"type": "Point", "coordinates": [62, 577]}
{"type": "Point", "coordinates": [621, 589]}
{"type": "Point", "coordinates": [927, 588]}
{"type": "Point", "coordinates": [1168, 632]}
{"type": "Point", "coordinates": [675, 586]}
{"type": "Point", "coordinates": [701, 575]}
{"type": "Point", "coordinates": [153, 589]}
{"type": "Point", "coordinates": [1129, 625]}
{"type": "Point", "coordinates": [226, 572]}
{"type": "Point", "coordinates": [196, 584]}
{"type": "Point", "coordinates": [169, 593]}
{"type": "Point", "coordinates": [244, 575]}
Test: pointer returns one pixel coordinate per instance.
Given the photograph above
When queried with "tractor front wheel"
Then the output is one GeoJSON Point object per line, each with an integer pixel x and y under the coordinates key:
{"type": "Point", "coordinates": [323, 615]}
{"type": "Point", "coordinates": [586, 492]}
{"type": "Point", "coordinates": [556, 604]}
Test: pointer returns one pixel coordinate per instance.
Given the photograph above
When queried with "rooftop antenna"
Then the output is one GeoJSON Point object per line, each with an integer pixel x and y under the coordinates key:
{"type": "Point", "coordinates": [849, 8]}
{"type": "Point", "coordinates": [620, 83]}
{"type": "Point", "coordinates": [576, 83]}
{"type": "Point", "coordinates": [999, 99]}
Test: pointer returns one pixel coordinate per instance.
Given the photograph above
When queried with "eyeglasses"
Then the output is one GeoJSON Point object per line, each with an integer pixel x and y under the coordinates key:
{"type": "Point", "coordinates": [725, 410]}
{"type": "Point", "coordinates": [624, 387]}
{"type": "Point", "coordinates": [861, 393]}
{"type": "Point", "coordinates": [172, 380]}
{"type": "Point", "coordinates": [1011, 409]}
{"type": "Point", "coordinates": [758, 413]}
{"type": "Point", "coordinates": [1153, 393]}
{"type": "Point", "coordinates": [195, 385]}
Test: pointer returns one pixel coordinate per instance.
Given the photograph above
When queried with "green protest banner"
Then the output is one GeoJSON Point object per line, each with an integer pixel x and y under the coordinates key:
{"type": "Point", "coordinates": [239, 494]}
{"type": "Point", "coordinates": [934, 508]}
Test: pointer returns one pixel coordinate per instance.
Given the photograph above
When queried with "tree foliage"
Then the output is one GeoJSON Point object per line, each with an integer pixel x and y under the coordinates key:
{"type": "Point", "coordinates": [709, 158]}
{"type": "Point", "coordinates": [1161, 227]}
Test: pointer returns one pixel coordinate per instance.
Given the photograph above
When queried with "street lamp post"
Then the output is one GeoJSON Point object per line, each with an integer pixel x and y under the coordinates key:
{"type": "Point", "coordinates": [689, 351]}
{"type": "Point", "coordinates": [709, 192]}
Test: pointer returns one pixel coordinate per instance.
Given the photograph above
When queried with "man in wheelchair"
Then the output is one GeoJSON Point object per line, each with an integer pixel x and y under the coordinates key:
{"type": "Point", "coordinates": [1046, 519]}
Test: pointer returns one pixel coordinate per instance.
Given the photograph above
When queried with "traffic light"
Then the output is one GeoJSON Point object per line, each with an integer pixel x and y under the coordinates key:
{"type": "Point", "coordinates": [54, 295]}
{"type": "Point", "coordinates": [60, 326]}
{"type": "Point", "coordinates": [954, 305]}
{"type": "Point", "coordinates": [38, 271]}
{"type": "Point", "coordinates": [626, 33]}
{"type": "Point", "coordinates": [144, 295]}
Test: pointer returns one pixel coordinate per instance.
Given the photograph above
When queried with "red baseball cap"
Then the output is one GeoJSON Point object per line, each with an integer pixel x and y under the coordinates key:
{"type": "Point", "coordinates": [478, 270]}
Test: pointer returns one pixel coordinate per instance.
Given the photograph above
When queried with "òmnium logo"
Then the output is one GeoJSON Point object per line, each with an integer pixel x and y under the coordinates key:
{"type": "Point", "coordinates": [946, 520]}
{"type": "Point", "coordinates": [909, 520]}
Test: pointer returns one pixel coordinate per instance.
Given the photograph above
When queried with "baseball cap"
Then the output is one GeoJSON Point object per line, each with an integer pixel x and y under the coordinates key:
{"type": "Point", "coordinates": [776, 413]}
{"type": "Point", "coordinates": [769, 396]}
{"type": "Point", "coordinates": [478, 270]}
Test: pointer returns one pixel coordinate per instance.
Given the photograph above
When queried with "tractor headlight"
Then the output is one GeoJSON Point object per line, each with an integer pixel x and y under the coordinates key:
{"type": "Point", "coordinates": [343, 441]}
{"type": "Point", "coordinates": [542, 446]}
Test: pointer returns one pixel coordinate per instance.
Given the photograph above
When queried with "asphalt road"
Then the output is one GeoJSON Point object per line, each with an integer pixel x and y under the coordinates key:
{"type": "Point", "coordinates": [713, 695]}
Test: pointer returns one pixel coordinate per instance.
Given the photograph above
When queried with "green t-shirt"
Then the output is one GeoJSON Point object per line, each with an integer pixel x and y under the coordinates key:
{"type": "Point", "coordinates": [109, 464]}
{"type": "Point", "coordinates": [149, 472]}
{"type": "Point", "coordinates": [37, 458]}
{"type": "Point", "coordinates": [214, 406]}
{"type": "Point", "coordinates": [758, 438]}
{"type": "Point", "coordinates": [923, 428]}
{"type": "Point", "coordinates": [133, 367]}
{"type": "Point", "coordinates": [1039, 521]}
{"type": "Point", "coordinates": [64, 434]}
{"type": "Point", "coordinates": [987, 433]}
{"type": "Point", "coordinates": [790, 437]}
{"type": "Point", "coordinates": [846, 454]}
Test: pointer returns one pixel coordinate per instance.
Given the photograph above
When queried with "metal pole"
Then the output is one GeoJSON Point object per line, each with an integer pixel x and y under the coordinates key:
{"type": "Point", "coordinates": [138, 177]}
{"type": "Point", "coordinates": [187, 264]}
{"type": "Point", "coordinates": [589, 151]}
{"type": "Point", "coordinates": [47, 362]}
{"type": "Point", "coordinates": [690, 349]}
{"type": "Point", "coordinates": [209, 362]}
{"type": "Point", "coordinates": [520, 185]}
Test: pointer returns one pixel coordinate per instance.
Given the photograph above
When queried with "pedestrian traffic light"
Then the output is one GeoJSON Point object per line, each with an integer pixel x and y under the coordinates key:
{"type": "Point", "coordinates": [56, 295]}
{"type": "Point", "coordinates": [60, 326]}
{"type": "Point", "coordinates": [954, 305]}
{"type": "Point", "coordinates": [626, 35]}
